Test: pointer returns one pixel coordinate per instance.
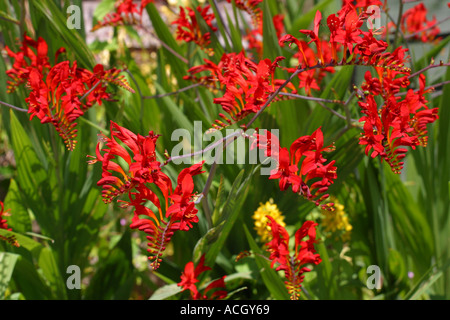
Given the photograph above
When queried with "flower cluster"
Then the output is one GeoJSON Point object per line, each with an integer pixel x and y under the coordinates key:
{"type": "Point", "coordinates": [61, 93]}
{"type": "Point", "coordinates": [4, 213]}
{"type": "Point", "coordinates": [304, 253]}
{"type": "Point", "coordinates": [337, 222]}
{"type": "Point", "coordinates": [4, 225]}
{"type": "Point", "coordinates": [141, 177]}
{"type": "Point", "coordinates": [399, 123]}
{"type": "Point", "coordinates": [189, 30]}
{"type": "Point", "coordinates": [414, 23]}
{"type": "Point", "coordinates": [126, 14]}
{"type": "Point", "coordinates": [313, 177]}
{"type": "Point", "coordinates": [346, 37]}
{"type": "Point", "coordinates": [247, 84]}
{"type": "Point", "coordinates": [260, 216]}
{"type": "Point", "coordinates": [189, 281]}
{"type": "Point", "coordinates": [250, 7]}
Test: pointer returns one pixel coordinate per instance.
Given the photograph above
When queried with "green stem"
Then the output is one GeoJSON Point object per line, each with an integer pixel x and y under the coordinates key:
{"type": "Point", "coordinates": [141, 123]}
{"type": "Point", "coordinates": [399, 20]}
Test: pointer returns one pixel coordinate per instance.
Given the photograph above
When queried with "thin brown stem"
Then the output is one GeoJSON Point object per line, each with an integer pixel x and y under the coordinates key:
{"type": "Point", "coordinates": [10, 20]}
{"type": "Point", "coordinates": [157, 96]}
{"type": "Point", "coordinates": [348, 117]}
{"type": "Point", "coordinates": [90, 90]}
{"type": "Point", "coordinates": [208, 148]}
{"type": "Point", "coordinates": [292, 76]}
{"type": "Point", "coordinates": [165, 45]}
{"type": "Point", "coordinates": [429, 67]}
{"type": "Point", "coordinates": [13, 107]}
{"type": "Point", "coordinates": [437, 85]}
{"type": "Point", "coordinates": [337, 114]}
{"type": "Point", "coordinates": [273, 95]}
{"type": "Point", "coordinates": [298, 96]}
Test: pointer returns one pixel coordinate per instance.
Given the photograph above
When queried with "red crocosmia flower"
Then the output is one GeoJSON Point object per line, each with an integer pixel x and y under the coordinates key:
{"type": "Point", "coordinates": [420, 114]}
{"type": "Point", "coordinates": [396, 125]}
{"type": "Point", "coordinates": [4, 225]}
{"type": "Point", "coordinates": [180, 213]}
{"type": "Point", "coordinates": [371, 85]}
{"type": "Point", "coordinates": [294, 266]}
{"type": "Point", "coordinates": [189, 281]}
{"type": "Point", "coordinates": [250, 6]}
{"type": "Point", "coordinates": [334, 23]}
{"type": "Point", "coordinates": [188, 28]}
{"type": "Point", "coordinates": [351, 32]}
{"type": "Point", "coordinates": [314, 35]}
{"type": "Point", "coordinates": [311, 79]}
{"type": "Point", "coordinates": [211, 80]}
{"type": "Point", "coordinates": [346, 37]}
{"type": "Point", "coordinates": [367, 3]}
{"type": "Point", "coordinates": [300, 45]}
{"type": "Point", "coordinates": [130, 167]}
{"type": "Point", "coordinates": [126, 7]}
{"type": "Point", "coordinates": [414, 21]}
{"type": "Point", "coordinates": [313, 177]}
{"type": "Point", "coordinates": [372, 136]}
{"type": "Point", "coordinates": [278, 246]}
{"type": "Point", "coordinates": [308, 81]}
{"type": "Point", "coordinates": [307, 57]}
{"type": "Point", "coordinates": [268, 143]}
{"type": "Point", "coordinates": [56, 97]}
{"type": "Point", "coordinates": [126, 13]}
{"type": "Point", "coordinates": [278, 24]}
{"type": "Point", "coordinates": [247, 85]}
{"type": "Point", "coordinates": [287, 173]}
{"type": "Point", "coordinates": [3, 214]}
{"type": "Point", "coordinates": [183, 209]}
{"type": "Point", "coordinates": [388, 83]}
{"type": "Point", "coordinates": [59, 94]}
{"type": "Point", "coordinates": [143, 166]}
{"type": "Point", "coordinates": [32, 55]}
{"type": "Point", "coordinates": [369, 46]}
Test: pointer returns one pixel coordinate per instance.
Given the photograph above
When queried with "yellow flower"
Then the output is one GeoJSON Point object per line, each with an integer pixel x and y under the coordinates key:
{"type": "Point", "coordinates": [337, 221]}
{"type": "Point", "coordinates": [261, 227]}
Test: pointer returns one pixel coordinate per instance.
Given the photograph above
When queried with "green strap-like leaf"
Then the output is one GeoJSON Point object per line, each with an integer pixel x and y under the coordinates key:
{"type": "Point", "coordinates": [7, 264]}
{"type": "Point", "coordinates": [72, 38]}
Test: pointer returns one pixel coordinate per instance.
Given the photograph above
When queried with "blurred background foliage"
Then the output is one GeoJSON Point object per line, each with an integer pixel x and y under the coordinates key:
{"type": "Point", "coordinates": [398, 222]}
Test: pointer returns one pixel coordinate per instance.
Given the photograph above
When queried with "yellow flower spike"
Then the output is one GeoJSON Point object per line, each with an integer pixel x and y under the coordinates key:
{"type": "Point", "coordinates": [337, 221]}
{"type": "Point", "coordinates": [260, 217]}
